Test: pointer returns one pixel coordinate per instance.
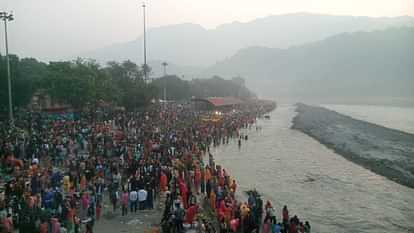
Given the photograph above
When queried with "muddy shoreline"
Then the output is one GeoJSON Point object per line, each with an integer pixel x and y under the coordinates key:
{"type": "Point", "coordinates": [384, 151]}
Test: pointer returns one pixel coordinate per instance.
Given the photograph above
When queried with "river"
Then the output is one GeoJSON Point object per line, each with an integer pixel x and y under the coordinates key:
{"type": "Point", "coordinates": [334, 194]}
{"type": "Point", "coordinates": [400, 118]}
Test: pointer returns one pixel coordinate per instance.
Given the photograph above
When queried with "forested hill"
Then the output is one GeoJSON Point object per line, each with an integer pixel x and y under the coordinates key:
{"type": "Point", "coordinates": [378, 63]}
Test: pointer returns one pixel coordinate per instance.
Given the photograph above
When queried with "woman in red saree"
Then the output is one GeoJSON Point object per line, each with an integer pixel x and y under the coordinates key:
{"type": "Point", "coordinates": [191, 213]}
{"type": "Point", "coordinates": [183, 193]}
{"type": "Point", "coordinates": [163, 182]}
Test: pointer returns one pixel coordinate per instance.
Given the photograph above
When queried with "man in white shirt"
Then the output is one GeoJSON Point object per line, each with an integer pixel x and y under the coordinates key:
{"type": "Point", "coordinates": [133, 198]}
{"type": "Point", "coordinates": [142, 198]}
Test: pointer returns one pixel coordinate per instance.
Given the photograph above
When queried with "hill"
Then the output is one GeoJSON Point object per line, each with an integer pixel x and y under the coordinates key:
{"type": "Point", "coordinates": [376, 64]}
{"type": "Point", "coordinates": [192, 45]}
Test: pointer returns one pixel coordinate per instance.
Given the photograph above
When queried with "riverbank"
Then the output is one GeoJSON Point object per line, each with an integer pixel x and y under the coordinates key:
{"type": "Point", "coordinates": [384, 151]}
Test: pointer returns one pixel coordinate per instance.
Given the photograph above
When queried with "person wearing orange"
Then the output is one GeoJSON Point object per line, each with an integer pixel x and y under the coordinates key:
{"type": "Point", "coordinates": [207, 173]}
{"type": "Point", "coordinates": [154, 229]}
{"type": "Point", "coordinates": [244, 210]}
{"type": "Point", "coordinates": [213, 200]}
{"type": "Point", "coordinates": [233, 186]}
{"type": "Point", "coordinates": [163, 182]}
{"type": "Point", "coordinates": [66, 183]}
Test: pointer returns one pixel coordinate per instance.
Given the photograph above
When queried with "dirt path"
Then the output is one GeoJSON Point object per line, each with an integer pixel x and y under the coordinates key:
{"type": "Point", "coordinates": [141, 221]}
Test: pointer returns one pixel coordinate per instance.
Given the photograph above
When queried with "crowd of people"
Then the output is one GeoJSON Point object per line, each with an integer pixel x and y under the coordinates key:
{"type": "Point", "coordinates": [198, 176]}
{"type": "Point", "coordinates": [57, 174]}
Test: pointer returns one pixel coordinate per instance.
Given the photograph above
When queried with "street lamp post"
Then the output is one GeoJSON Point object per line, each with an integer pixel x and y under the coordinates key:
{"type": "Point", "coordinates": [8, 17]}
{"type": "Point", "coordinates": [145, 46]}
{"type": "Point", "coordinates": [165, 64]}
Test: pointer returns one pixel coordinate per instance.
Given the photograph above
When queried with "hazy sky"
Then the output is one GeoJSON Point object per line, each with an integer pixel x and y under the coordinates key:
{"type": "Point", "coordinates": [52, 29]}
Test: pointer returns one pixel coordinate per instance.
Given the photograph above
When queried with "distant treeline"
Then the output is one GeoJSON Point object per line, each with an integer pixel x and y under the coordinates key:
{"type": "Point", "coordinates": [82, 82]}
{"type": "Point", "coordinates": [178, 89]}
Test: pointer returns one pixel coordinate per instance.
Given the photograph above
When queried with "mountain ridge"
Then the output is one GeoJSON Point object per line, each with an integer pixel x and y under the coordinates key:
{"type": "Point", "coordinates": [378, 63]}
{"type": "Point", "coordinates": [193, 45]}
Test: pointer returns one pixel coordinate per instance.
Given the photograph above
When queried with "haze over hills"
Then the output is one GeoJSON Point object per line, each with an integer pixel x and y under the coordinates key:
{"type": "Point", "coordinates": [194, 46]}
{"type": "Point", "coordinates": [184, 72]}
{"type": "Point", "coordinates": [359, 65]}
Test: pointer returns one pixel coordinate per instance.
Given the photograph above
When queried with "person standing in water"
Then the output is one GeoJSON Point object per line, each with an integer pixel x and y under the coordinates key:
{"type": "Point", "coordinates": [307, 227]}
{"type": "Point", "coordinates": [285, 217]}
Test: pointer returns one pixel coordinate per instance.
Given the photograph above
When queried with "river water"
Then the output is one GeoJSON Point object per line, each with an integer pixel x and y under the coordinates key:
{"type": "Point", "coordinates": [400, 118]}
{"type": "Point", "coordinates": [335, 195]}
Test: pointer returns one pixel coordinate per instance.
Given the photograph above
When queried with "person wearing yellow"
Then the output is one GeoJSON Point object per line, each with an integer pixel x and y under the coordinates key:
{"type": "Point", "coordinates": [244, 210]}
{"type": "Point", "coordinates": [66, 183]}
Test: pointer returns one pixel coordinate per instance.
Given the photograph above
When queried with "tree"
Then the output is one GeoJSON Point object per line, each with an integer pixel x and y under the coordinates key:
{"type": "Point", "coordinates": [217, 86]}
{"type": "Point", "coordinates": [26, 77]}
{"type": "Point", "coordinates": [70, 83]}
{"type": "Point", "coordinates": [128, 78]}
{"type": "Point", "coordinates": [177, 89]}
{"type": "Point", "coordinates": [82, 83]}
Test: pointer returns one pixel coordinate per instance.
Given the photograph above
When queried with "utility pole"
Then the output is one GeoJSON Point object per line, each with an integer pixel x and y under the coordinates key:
{"type": "Point", "coordinates": [145, 46]}
{"type": "Point", "coordinates": [8, 17]}
{"type": "Point", "coordinates": [165, 64]}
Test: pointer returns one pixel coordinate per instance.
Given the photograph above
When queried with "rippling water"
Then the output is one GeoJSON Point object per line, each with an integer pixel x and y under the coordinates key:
{"type": "Point", "coordinates": [335, 195]}
{"type": "Point", "coordinates": [400, 118]}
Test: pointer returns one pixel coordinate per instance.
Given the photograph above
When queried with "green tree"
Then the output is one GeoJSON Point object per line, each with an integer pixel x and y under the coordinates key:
{"type": "Point", "coordinates": [177, 89]}
{"type": "Point", "coordinates": [26, 77]}
{"type": "Point", "coordinates": [71, 82]}
{"type": "Point", "coordinates": [217, 86]}
{"type": "Point", "coordinates": [133, 91]}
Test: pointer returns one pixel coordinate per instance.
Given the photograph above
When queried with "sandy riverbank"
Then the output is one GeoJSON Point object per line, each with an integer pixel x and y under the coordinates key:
{"type": "Point", "coordinates": [385, 151]}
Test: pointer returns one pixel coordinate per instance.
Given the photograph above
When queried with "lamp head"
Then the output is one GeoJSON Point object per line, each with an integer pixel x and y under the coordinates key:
{"type": "Point", "coordinates": [6, 16]}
